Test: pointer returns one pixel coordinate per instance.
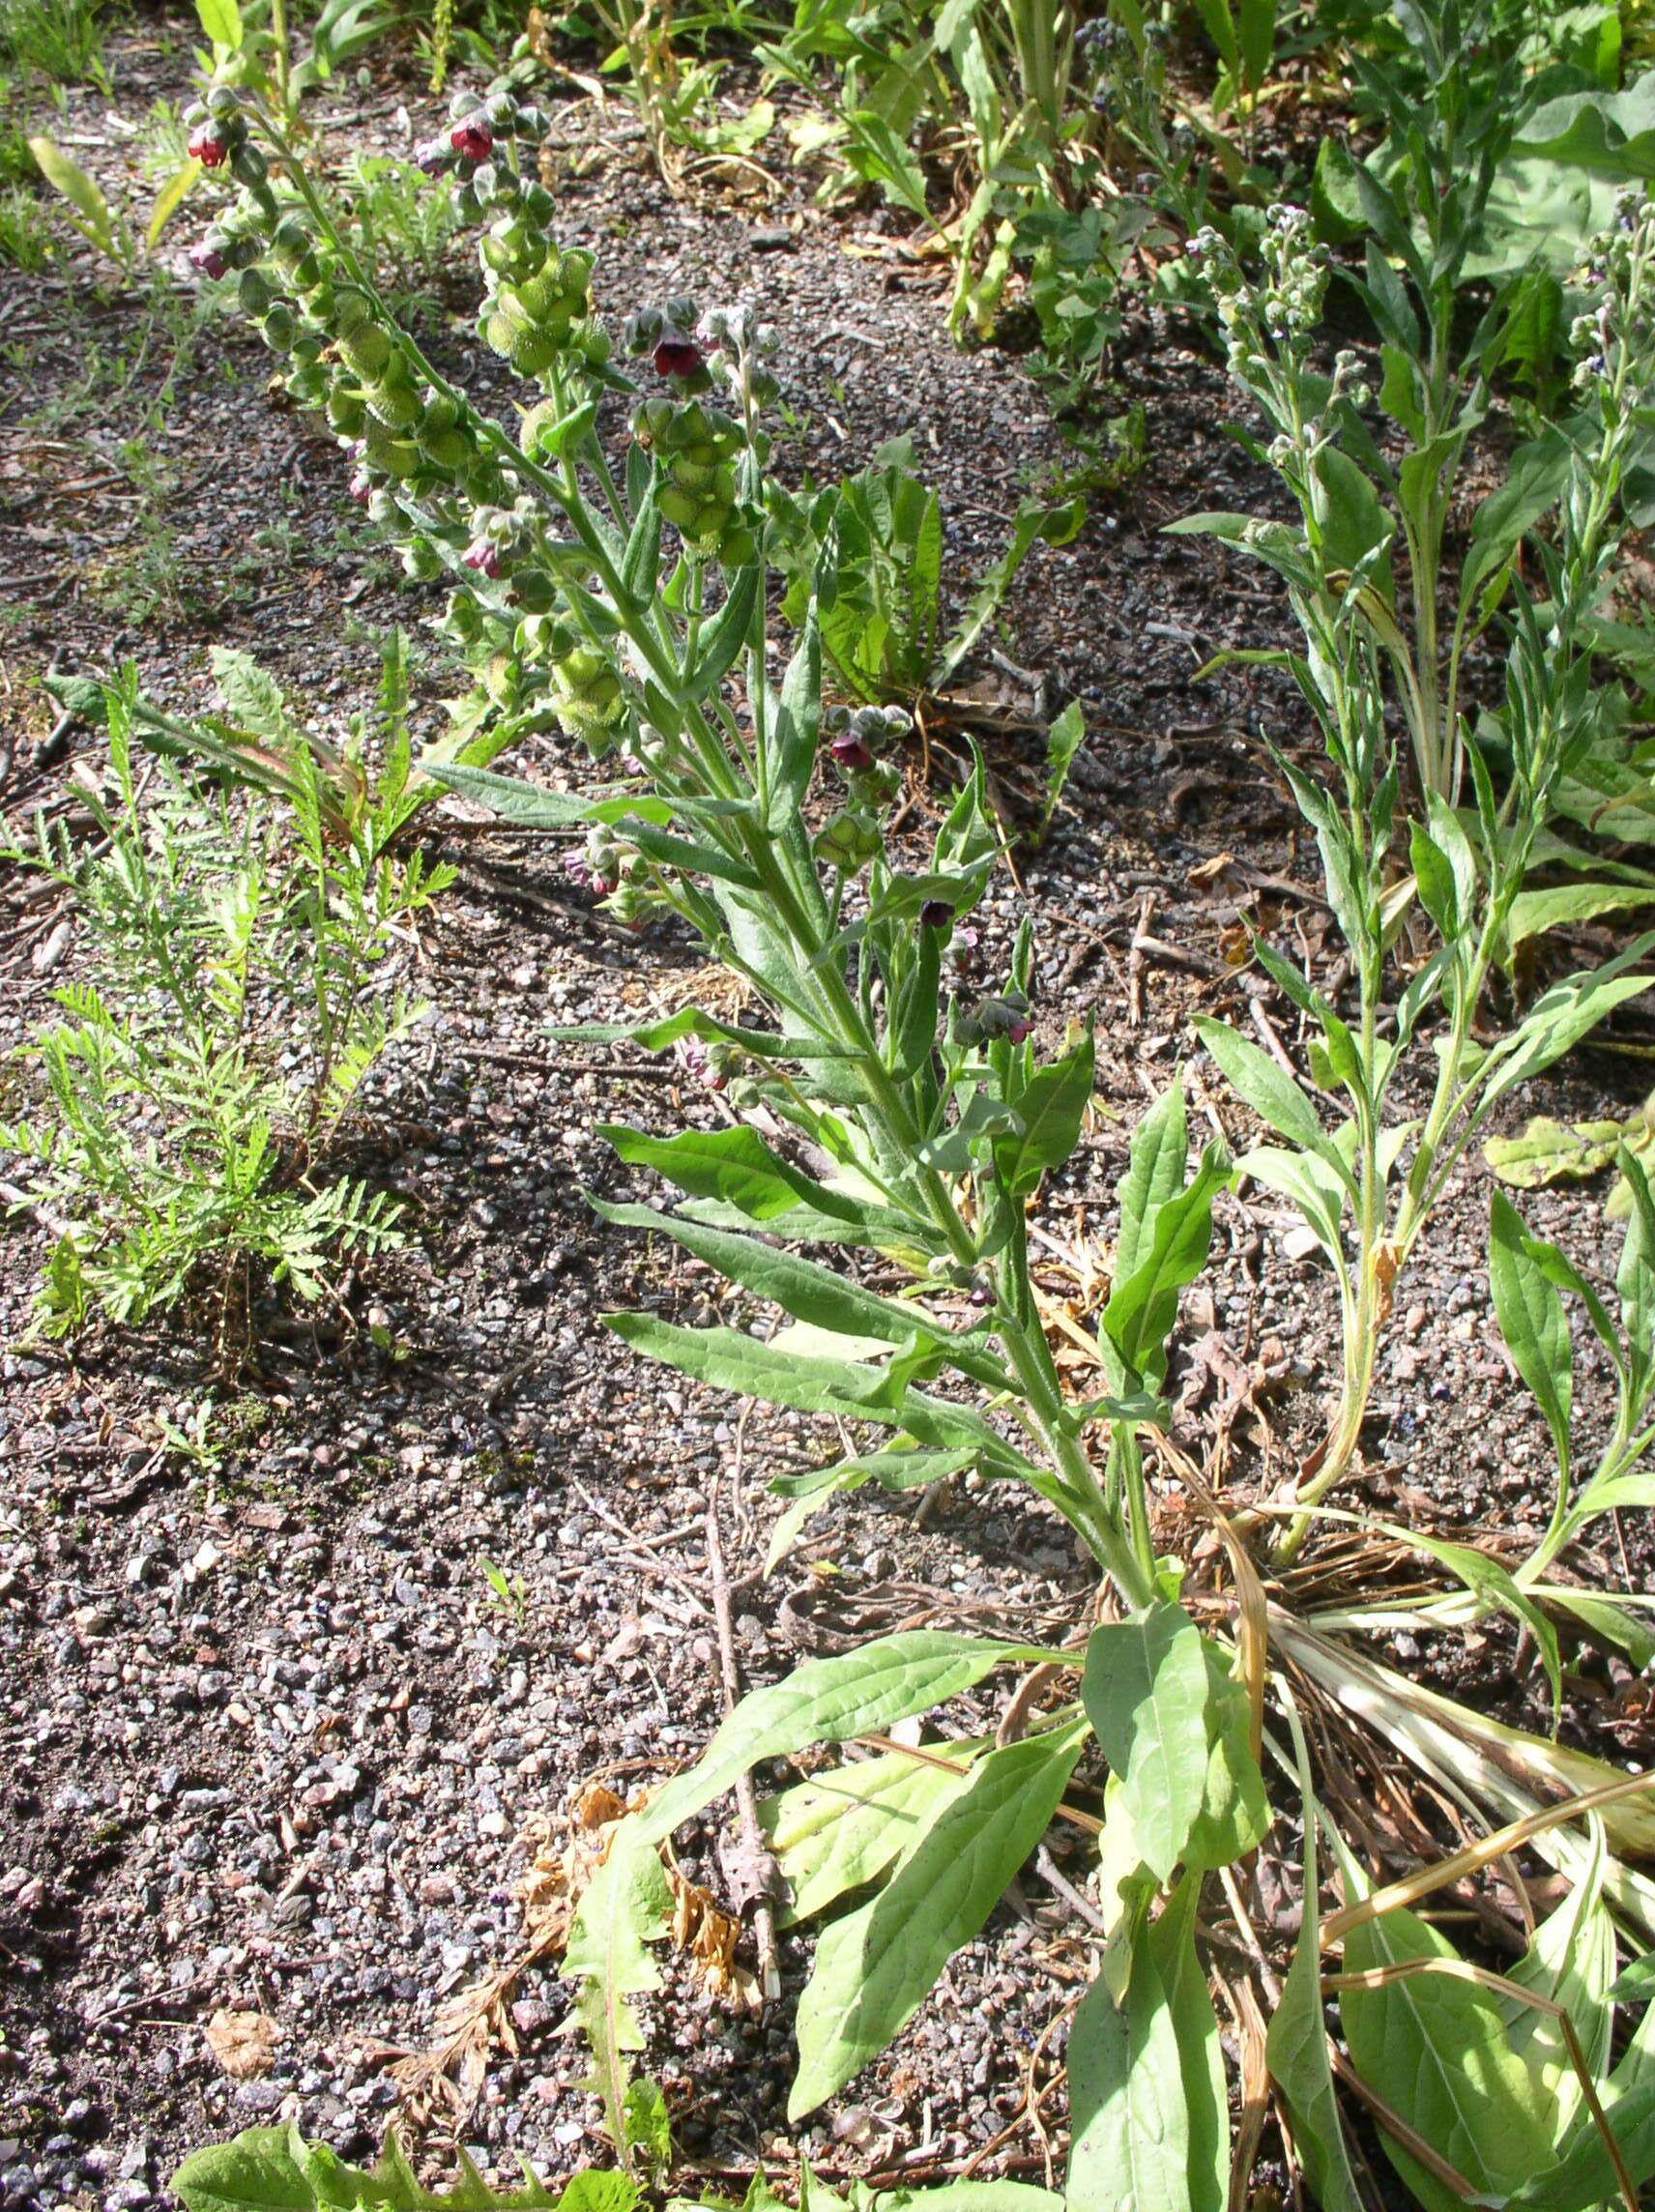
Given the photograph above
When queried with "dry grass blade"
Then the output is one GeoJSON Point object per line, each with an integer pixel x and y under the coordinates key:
{"type": "Point", "coordinates": [1394, 2125]}
{"type": "Point", "coordinates": [1252, 1612]}
{"type": "Point", "coordinates": [1477, 1856]}
{"type": "Point", "coordinates": [1485, 1977]}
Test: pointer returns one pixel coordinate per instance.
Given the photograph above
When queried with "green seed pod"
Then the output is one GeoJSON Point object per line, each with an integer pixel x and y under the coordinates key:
{"type": "Point", "coordinates": [254, 291]}
{"type": "Point", "coordinates": [532, 352]}
{"type": "Point", "coordinates": [738, 548]}
{"type": "Point", "coordinates": [500, 331]}
{"type": "Point", "coordinates": [307, 384]}
{"type": "Point", "coordinates": [849, 841]}
{"type": "Point", "coordinates": [280, 327]}
{"type": "Point", "coordinates": [368, 350]}
{"type": "Point", "coordinates": [449, 449]}
{"type": "Point", "coordinates": [395, 405]}
{"type": "Point", "coordinates": [535, 591]}
{"type": "Point", "coordinates": [347, 412]}
{"type": "Point", "coordinates": [680, 507]}
{"type": "Point", "coordinates": [421, 563]}
{"type": "Point", "coordinates": [501, 678]}
{"type": "Point", "coordinates": [351, 311]}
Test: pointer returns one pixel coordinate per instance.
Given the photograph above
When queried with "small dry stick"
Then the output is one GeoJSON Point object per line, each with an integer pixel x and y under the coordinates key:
{"type": "Point", "coordinates": [746, 1804]}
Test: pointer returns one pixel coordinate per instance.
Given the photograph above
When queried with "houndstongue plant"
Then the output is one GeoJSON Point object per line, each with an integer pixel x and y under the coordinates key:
{"type": "Point", "coordinates": [923, 1118]}
{"type": "Point", "coordinates": [1469, 871]}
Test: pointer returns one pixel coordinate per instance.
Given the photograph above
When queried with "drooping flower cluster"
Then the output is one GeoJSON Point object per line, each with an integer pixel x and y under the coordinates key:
{"type": "Point", "coordinates": [1283, 305]}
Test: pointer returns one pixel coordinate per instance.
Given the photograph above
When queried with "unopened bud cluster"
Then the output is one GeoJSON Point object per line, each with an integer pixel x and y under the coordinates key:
{"type": "Point", "coordinates": [1615, 337]}
{"type": "Point", "coordinates": [1282, 307]}
{"type": "Point", "coordinates": [697, 447]}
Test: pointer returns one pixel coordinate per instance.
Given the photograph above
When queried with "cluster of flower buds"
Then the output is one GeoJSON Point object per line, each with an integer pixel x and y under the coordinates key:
{"type": "Point", "coordinates": [736, 343]}
{"type": "Point", "coordinates": [696, 447]}
{"type": "Point", "coordinates": [600, 863]}
{"type": "Point", "coordinates": [664, 334]}
{"type": "Point", "coordinates": [219, 134]}
{"type": "Point", "coordinates": [586, 695]}
{"type": "Point", "coordinates": [1001, 1014]}
{"type": "Point", "coordinates": [474, 129]}
{"type": "Point", "coordinates": [1284, 306]}
{"type": "Point", "coordinates": [712, 1061]}
{"type": "Point", "coordinates": [854, 738]}
{"type": "Point", "coordinates": [1617, 334]}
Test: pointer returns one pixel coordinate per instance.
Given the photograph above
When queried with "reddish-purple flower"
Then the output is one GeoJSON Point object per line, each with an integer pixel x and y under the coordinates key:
{"type": "Point", "coordinates": [362, 487]}
{"type": "Point", "coordinates": [472, 140]}
{"type": "Point", "coordinates": [431, 155]}
{"type": "Point", "coordinates": [483, 556]}
{"type": "Point", "coordinates": [850, 750]}
{"type": "Point", "coordinates": [713, 1073]}
{"type": "Point", "coordinates": [936, 914]}
{"type": "Point", "coordinates": [675, 356]}
{"type": "Point", "coordinates": [205, 256]}
{"type": "Point", "coordinates": [207, 147]}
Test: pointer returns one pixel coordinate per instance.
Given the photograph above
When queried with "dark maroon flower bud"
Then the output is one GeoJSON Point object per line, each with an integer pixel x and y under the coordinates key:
{"type": "Point", "coordinates": [850, 750]}
{"type": "Point", "coordinates": [473, 140]}
{"type": "Point", "coordinates": [483, 556]}
{"type": "Point", "coordinates": [936, 914]}
{"type": "Point", "coordinates": [431, 155]}
{"type": "Point", "coordinates": [675, 356]}
{"type": "Point", "coordinates": [204, 255]}
{"type": "Point", "coordinates": [207, 147]}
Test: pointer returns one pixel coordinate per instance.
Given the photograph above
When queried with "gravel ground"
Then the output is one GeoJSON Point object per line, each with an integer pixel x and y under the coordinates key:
{"type": "Point", "coordinates": [267, 1741]}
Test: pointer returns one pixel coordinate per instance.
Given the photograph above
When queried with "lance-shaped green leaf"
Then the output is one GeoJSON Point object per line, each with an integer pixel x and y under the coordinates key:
{"type": "Point", "coordinates": [733, 1362]}
{"type": "Point", "coordinates": [1142, 1307]}
{"type": "Point", "coordinates": [808, 1291]}
{"type": "Point", "coordinates": [532, 806]}
{"type": "Point", "coordinates": [1049, 1107]}
{"type": "Point", "coordinates": [1533, 1324]}
{"type": "Point", "coordinates": [1569, 1961]}
{"type": "Point", "coordinates": [1436, 2051]}
{"type": "Point", "coordinates": [1273, 1094]}
{"type": "Point", "coordinates": [1145, 1688]}
{"type": "Point", "coordinates": [1561, 1016]}
{"type": "Point", "coordinates": [876, 1967]}
{"type": "Point", "coordinates": [794, 724]}
{"type": "Point", "coordinates": [1156, 1159]}
{"type": "Point", "coordinates": [735, 1165]}
{"type": "Point", "coordinates": [829, 1701]}
{"type": "Point", "coordinates": [1129, 2148]}
{"type": "Point", "coordinates": [724, 635]}
{"type": "Point", "coordinates": [1309, 1183]}
{"type": "Point", "coordinates": [1171, 1941]}
{"type": "Point", "coordinates": [1296, 2045]}
{"type": "Point", "coordinates": [642, 565]}
{"type": "Point", "coordinates": [841, 1830]}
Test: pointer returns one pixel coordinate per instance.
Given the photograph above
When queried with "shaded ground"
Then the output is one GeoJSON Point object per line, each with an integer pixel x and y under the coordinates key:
{"type": "Point", "coordinates": [265, 1740]}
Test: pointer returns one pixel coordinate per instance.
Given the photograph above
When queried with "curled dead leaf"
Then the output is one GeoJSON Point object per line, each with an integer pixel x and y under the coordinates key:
{"type": "Point", "coordinates": [244, 2043]}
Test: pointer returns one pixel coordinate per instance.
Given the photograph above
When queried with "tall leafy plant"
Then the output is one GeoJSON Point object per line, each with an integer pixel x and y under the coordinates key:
{"type": "Point", "coordinates": [911, 1116]}
{"type": "Point", "coordinates": [1383, 1176]}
